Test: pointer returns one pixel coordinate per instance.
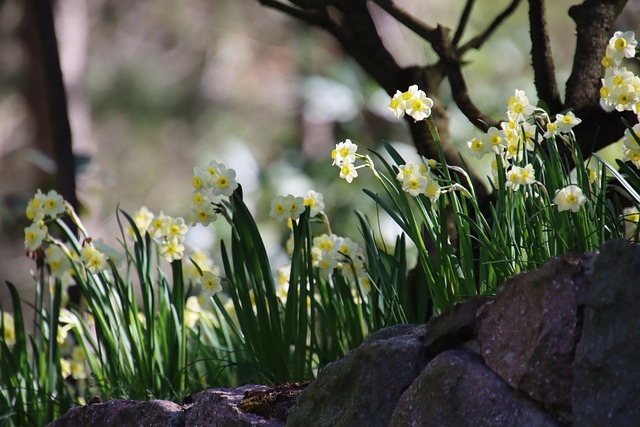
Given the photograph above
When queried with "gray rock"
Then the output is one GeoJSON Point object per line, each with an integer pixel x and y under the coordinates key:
{"type": "Point", "coordinates": [214, 407]}
{"type": "Point", "coordinates": [607, 381]}
{"type": "Point", "coordinates": [454, 327]}
{"type": "Point", "coordinates": [362, 388]}
{"type": "Point", "coordinates": [529, 333]}
{"type": "Point", "coordinates": [457, 389]}
{"type": "Point", "coordinates": [119, 413]}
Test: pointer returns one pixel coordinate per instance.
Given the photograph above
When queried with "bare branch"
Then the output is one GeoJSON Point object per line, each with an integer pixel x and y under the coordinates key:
{"type": "Point", "coordinates": [449, 60]}
{"type": "Point", "coordinates": [462, 24]}
{"type": "Point", "coordinates": [421, 28]}
{"type": "Point", "coordinates": [479, 40]}
{"type": "Point", "coordinates": [542, 61]}
{"type": "Point", "coordinates": [312, 18]}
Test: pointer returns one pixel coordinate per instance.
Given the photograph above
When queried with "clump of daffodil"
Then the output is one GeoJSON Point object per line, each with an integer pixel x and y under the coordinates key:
{"type": "Point", "coordinates": [208, 184]}
{"type": "Point", "coordinates": [620, 86]}
{"type": "Point", "coordinates": [413, 102]}
{"type": "Point", "coordinates": [515, 143]}
{"type": "Point", "coordinates": [331, 252]}
{"type": "Point", "coordinates": [417, 179]}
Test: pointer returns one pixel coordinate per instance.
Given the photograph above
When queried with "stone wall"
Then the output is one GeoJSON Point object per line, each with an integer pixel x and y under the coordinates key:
{"type": "Point", "coordinates": [555, 346]}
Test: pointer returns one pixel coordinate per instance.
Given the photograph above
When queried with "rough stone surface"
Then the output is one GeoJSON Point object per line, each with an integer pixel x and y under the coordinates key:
{"type": "Point", "coordinates": [457, 389]}
{"type": "Point", "coordinates": [213, 407]}
{"type": "Point", "coordinates": [454, 327]}
{"type": "Point", "coordinates": [607, 384]}
{"type": "Point", "coordinates": [151, 413]}
{"type": "Point", "coordinates": [529, 333]}
{"type": "Point", "coordinates": [362, 388]}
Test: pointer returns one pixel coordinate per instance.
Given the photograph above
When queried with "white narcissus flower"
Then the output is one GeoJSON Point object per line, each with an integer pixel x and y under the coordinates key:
{"type": "Point", "coordinates": [225, 182]}
{"type": "Point", "coordinates": [344, 153]}
{"type": "Point", "coordinates": [53, 204]}
{"type": "Point", "coordinates": [397, 105]}
{"type": "Point", "coordinates": [496, 139]}
{"type": "Point", "coordinates": [419, 108]}
{"type": "Point", "coordinates": [348, 172]}
{"type": "Point", "coordinates": [622, 45]}
{"type": "Point", "coordinates": [519, 109]}
{"type": "Point", "coordinates": [569, 198]}
{"type": "Point", "coordinates": [280, 208]}
{"type": "Point", "coordinates": [211, 283]}
{"type": "Point", "coordinates": [315, 201]}
{"type": "Point", "coordinates": [415, 185]}
{"type": "Point", "coordinates": [34, 235]}
{"type": "Point", "coordinates": [566, 122]}
{"type": "Point", "coordinates": [478, 147]}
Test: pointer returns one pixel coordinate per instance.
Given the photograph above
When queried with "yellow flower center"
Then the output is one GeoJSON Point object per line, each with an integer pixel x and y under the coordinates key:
{"type": "Point", "coordinates": [344, 151]}
{"type": "Point", "coordinates": [476, 145]}
{"type": "Point", "coordinates": [571, 199]}
{"type": "Point", "coordinates": [345, 170]}
{"type": "Point", "coordinates": [518, 108]}
{"type": "Point", "coordinates": [621, 43]}
{"type": "Point", "coordinates": [623, 99]}
{"type": "Point", "coordinates": [417, 105]}
{"type": "Point", "coordinates": [604, 92]}
{"type": "Point", "coordinates": [607, 62]}
{"type": "Point", "coordinates": [278, 208]}
{"type": "Point", "coordinates": [326, 245]}
{"type": "Point", "coordinates": [618, 80]}
{"type": "Point", "coordinates": [406, 96]}
{"type": "Point", "coordinates": [223, 182]}
{"type": "Point", "coordinates": [567, 120]}
{"type": "Point", "coordinates": [414, 184]}
{"type": "Point", "coordinates": [197, 182]}
{"type": "Point", "coordinates": [394, 103]}
{"type": "Point", "coordinates": [496, 140]}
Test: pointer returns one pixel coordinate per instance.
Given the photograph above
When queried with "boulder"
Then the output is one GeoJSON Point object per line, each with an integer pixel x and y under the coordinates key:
{"type": "Point", "coordinates": [362, 388]}
{"type": "Point", "coordinates": [606, 390]}
{"type": "Point", "coordinates": [529, 333]}
{"type": "Point", "coordinates": [458, 389]}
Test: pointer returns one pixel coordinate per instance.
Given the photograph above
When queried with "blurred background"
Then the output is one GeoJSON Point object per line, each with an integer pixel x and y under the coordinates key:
{"type": "Point", "coordinates": [155, 88]}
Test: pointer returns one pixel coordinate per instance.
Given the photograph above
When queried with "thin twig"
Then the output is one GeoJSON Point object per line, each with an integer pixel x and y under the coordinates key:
{"type": "Point", "coordinates": [462, 24]}
{"type": "Point", "coordinates": [421, 28]}
{"type": "Point", "coordinates": [308, 17]}
{"type": "Point", "coordinates": [479, 40]}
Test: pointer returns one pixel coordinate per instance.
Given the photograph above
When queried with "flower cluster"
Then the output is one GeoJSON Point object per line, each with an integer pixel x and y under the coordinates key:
{"type": "Point", "coordinates": [208, 183]}
{"type": "Point", "coordinates": [414, 102]}
{"type": "Point", "coordinates": [331, 252]}
{"type": "Point", "coordinates": [287, 207]}
{"type": "Point", "coordinates": [344, 157]}
{"type": "Point", "coordinates": [620, 89]}
{"type": "Point", "coordinates": [417, 179]}
{"type": "Point", "coordinates": [168, 232]}
{"type": "Point", "coordinates": [41, 207]}
{"type": "Point", "coordinates": [514, 144]}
